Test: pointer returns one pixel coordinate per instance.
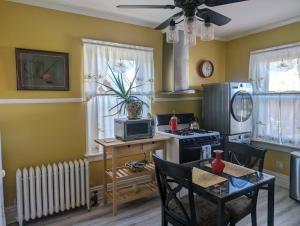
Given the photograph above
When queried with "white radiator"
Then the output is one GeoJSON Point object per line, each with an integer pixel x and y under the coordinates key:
{"type": "Point", "coordinates": [43, 191]}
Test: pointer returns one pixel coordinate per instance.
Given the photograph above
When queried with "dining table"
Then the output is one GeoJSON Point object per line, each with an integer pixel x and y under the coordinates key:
{"type": "Point", "coordinates": [234, 187]}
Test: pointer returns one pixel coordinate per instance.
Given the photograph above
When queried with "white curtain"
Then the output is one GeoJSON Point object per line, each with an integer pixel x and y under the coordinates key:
{"type": "Point", "coordinates": [99, 59]}
{"type": "Point", "coordinates": [275, 75]}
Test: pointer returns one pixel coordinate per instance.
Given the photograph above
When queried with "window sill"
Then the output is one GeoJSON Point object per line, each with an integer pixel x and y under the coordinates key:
{"type": "Point", "coordinates": [94, 157]}
{"type": "Point", "coordinates": [274, 146]}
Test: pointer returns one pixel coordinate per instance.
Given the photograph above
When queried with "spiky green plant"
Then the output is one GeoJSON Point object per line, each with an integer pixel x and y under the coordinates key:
{"type": "Point", "coordinates": [124, 95]}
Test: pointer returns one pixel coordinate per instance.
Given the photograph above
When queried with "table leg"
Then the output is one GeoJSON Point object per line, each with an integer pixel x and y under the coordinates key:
{"type": "Point", "coordinates": [271, 188]}
{"type": "Point", "coordinates": [220, 220]}
{"type": "Point", "coordinates": [114, 183]}
{"type": "Point", "coordinates": [165, 150]}
{"type": "Point", "coordinates": [104, 178]}
{"type": "Point", "coordinates": [150, 156]}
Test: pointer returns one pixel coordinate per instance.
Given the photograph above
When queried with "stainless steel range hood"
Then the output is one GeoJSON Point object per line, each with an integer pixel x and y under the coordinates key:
{"type": "Point", "coordinates": [176, 67]}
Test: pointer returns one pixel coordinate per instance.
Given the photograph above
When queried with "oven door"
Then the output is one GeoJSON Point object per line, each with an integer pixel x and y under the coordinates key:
{"type": "Point", "coordinates": [193, 152]}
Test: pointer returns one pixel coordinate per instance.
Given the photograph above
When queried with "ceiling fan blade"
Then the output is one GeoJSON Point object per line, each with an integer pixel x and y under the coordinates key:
{"type": "Point", "coordinates": [166, 23]}
{"type": "Point", "coordinates": [212, 3]}
{"type": "Point", "coordinates": [146, 6]}
{"type": "Point", "coordinates": [212, 16]}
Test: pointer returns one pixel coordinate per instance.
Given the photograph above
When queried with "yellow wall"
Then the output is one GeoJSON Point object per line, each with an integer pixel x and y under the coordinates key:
{"type": "Point", "coordinates": [179, 107]}
{"type": "Point", "coordinates": [276, 155]}
{"type": "Point", "coordinates": [35, 134]}
{"type": "Point", "coordinates": [237, 66]}
{"type": "Point", "coordinates": [41, 133]}
{"type": "Point", "coordinates": [214, 51]}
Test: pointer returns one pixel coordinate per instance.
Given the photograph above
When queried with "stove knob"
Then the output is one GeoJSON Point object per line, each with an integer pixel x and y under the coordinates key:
{"type": "Point", "coordinates": [185, 141]}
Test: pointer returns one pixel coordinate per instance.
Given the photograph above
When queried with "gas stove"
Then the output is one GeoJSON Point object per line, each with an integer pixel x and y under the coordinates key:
{"type": "Point", "coordinates": [188, 133]}
{"type": "Point", "coordinates": [187, 144]}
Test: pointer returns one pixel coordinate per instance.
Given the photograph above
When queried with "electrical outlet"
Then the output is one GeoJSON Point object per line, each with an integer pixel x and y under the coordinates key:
{"type": "Point", "coordinates": [279, 164]}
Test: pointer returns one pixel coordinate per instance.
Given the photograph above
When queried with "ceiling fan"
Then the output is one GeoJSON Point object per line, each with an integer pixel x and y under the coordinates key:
{"type": "Point", "coordinates": [191, 14]}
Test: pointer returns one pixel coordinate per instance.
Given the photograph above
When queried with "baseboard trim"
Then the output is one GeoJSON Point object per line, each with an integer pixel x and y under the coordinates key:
{"type": "Point", "coordinates": [11, 211]}
{"type": "Point", "coordinates": [11, 214]}
{"type": "Point", "coordinates": [281, 179]}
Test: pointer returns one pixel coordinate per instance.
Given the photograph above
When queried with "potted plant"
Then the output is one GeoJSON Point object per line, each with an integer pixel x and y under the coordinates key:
{"type": "Point", "coordinates": [123, 89]}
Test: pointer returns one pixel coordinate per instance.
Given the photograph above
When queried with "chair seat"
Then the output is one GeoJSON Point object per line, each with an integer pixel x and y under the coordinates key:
{"type": "Point", "coordinates": [239, 208]}
{"type": "Point", "coordinates": [206, 211]}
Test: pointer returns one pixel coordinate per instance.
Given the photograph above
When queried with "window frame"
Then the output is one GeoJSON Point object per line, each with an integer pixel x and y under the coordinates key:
{"type": "Point", "coordinates": [265, 142]}
{"type": "Point", "coordinates": [93, 153]}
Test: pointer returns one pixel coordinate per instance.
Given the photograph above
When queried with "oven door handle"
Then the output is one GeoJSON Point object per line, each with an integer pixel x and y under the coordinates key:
{"type": "Point", "coordinates": [193, 148]}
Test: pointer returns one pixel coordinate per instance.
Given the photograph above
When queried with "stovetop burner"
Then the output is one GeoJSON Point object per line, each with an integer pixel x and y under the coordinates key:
{"type": "Point", "coordinates": [187, 132]}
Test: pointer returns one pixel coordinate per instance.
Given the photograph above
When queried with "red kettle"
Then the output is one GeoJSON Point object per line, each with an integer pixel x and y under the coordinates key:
{"type": "Point", "coordinates": [173, 123]}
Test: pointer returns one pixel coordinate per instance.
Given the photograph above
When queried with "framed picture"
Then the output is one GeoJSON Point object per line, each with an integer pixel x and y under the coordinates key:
{"type": "Point", "coordinates": [42, 70]}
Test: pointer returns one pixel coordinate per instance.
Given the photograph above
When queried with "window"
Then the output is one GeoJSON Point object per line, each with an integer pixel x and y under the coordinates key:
{"type": "Point", "coordinates": [284, 77]}
{"type": "Point", "coordinates": [275, 74]}
{"type": "Point", "coordinates": [99, 57]}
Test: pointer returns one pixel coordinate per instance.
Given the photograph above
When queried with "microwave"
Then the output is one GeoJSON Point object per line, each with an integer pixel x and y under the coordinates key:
{"type": "Point", "coordinates": [126, 129]}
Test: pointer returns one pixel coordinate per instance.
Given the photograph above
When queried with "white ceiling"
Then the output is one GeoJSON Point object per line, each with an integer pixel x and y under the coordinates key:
{"type": "Point", "coordinates": [247, 17]}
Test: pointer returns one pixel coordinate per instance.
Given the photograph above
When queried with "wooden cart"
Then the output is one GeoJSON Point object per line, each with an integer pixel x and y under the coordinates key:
{"type": "Point", "coordinates": [117, 149]}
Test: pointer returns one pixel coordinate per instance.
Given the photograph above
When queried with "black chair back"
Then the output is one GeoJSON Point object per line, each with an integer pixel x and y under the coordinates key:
{"type": "Point", "coordinates": [250, 157]}
{"type": "Point", "coordinates": [171, 178]}
{"type": "Point", "coordinates": [245, 155]}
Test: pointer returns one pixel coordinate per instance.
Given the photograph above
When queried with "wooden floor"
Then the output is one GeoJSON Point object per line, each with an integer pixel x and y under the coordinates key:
{"type": "Point", "coordinates": [146, 212]}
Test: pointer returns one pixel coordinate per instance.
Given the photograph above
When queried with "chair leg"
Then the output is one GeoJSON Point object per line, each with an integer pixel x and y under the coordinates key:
{"type": "Point", "coordinates": [164, 221]}
{"type": "Point", "coordinates": [253, 217]}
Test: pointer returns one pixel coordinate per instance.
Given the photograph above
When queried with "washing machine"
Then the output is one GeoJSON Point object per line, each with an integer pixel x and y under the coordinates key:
{"type": "Point", "coordinates": [227, 107]}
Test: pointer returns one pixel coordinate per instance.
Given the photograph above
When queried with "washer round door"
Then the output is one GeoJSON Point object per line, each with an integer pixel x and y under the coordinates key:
{"type": "Point", "coordinates": [241, 106]}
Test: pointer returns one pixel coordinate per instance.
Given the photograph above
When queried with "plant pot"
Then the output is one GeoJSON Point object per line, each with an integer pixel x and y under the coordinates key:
{"type": "Point", "coordinates": [134, 109]}
{"type": "Point", "coordinates": [217, 165]}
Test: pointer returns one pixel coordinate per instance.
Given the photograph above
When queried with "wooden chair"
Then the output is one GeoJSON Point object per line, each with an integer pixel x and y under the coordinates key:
{"type": "Point", "coordinates": [250, 157]}
{"type": "Point", "coordinates": [188, 210]}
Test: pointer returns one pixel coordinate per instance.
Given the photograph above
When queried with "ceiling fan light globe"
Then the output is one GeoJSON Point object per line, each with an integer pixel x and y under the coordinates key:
{"type": "Point", "coordinates": [190, 25]}
{"type": "Point", "coordinates": [190, 31]}
{"type": "Point", "coordinates": [207, 32]}
{"type": "Point", "coordinates": [172, 35]}
{"type": "Point", "coordinates": [190, 39]}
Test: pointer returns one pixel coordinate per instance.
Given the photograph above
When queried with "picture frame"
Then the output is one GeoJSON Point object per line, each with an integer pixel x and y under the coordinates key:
{"type": "Point", "coordinates": [42, 70]}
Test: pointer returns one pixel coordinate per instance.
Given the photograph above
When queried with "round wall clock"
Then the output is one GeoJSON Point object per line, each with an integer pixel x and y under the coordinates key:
{"type": "Point", "coordinates": [205, 68]}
